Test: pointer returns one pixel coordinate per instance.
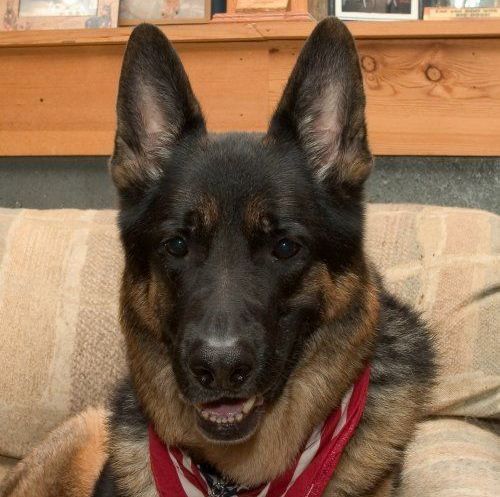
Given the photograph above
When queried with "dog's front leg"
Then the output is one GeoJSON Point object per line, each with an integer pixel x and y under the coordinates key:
{"type": "Point", "coordinates": [66, 464]}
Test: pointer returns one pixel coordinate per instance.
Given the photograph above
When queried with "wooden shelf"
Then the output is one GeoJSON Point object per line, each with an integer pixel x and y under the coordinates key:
{"type": "Point", "coordinates": [257, 31]}
{"type": "Point", "coordinates": [467, 28]}
{"type": "Point", "coordinates": [432, 87]}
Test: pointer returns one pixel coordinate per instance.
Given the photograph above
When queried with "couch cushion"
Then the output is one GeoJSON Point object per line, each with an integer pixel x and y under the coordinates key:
{"type": "Point", "coordinates": [59, 283]}
{"type": "Point", "coordinates": [60, 347]}
{"type": "Point", "coordinates": [452, 458]}
{"type": "Point", "coordinates": [438, 259]}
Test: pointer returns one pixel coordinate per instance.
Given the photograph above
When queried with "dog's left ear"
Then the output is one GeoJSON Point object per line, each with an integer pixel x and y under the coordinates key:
{"type": "Point", "coordinates": [323, 107]}
{"type": "Point", "coordinates": [156, 110]}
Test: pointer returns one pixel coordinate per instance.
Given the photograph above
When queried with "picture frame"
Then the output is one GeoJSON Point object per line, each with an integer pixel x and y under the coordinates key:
{"type": "Point", "coordinates": [444, 10]}
{"type": "Point", "coordinates": [382, 10]}
{"type": "Point", "coordinates": [133, 12]}
{"type": "Point", "coordinates": [19, 15]}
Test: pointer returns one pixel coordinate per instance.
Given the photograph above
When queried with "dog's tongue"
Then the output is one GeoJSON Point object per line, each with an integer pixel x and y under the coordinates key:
{"type": "Point", "coordinates": [225, 409]}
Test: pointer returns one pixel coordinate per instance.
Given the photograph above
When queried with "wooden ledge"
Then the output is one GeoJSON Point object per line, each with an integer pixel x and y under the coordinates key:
{"type": "Point", "coordinates": [257, 31]}
{"type": "Point", "coordinates": [467, 28]}
{"type": "Point", "coordinates": [178, 33]}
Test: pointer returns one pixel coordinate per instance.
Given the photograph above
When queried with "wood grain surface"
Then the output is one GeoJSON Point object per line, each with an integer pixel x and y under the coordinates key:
{"type": "Point", "coordinates": [426, 96]}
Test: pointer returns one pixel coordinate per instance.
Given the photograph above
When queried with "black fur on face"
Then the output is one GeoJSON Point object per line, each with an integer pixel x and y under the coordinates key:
{"type": "Point", "coordinates": [231, 229]}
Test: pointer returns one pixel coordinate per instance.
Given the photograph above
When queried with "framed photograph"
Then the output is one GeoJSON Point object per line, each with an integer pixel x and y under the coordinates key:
{"type": "Point", "coordinates": [462, 4]}
{"type": "Point", "coordinates": [57, 14]}
{"type": "Point", "coordinates": [385, 10]}
{"type": "Point", "coordinates": [442, 10]}
{"type": "Point", "coordinates": [163, 11]}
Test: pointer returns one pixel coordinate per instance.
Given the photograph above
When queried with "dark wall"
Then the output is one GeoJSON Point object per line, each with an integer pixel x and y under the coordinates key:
{"type": "Point", "coordinates": [453, 181]}
{"type": "Point", "coordinates": [83, 182]}
{"type": "Point", "coordinates": [55, 182]}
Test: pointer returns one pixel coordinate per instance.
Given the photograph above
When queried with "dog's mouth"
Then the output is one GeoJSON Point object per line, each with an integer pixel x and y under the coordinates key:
{"type": "Point", "coordinates": [230, 420]}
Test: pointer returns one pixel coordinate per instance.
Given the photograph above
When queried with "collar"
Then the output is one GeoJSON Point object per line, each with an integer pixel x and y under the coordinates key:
{"type": "Point", "coordinates": [176, 475]}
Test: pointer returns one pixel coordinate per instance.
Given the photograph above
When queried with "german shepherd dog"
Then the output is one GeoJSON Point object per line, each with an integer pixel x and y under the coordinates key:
{"type": "Point", "coordinates": [248, 305]}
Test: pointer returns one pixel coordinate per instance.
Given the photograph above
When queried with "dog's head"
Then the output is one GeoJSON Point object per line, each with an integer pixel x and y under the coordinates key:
{"type": "Point", "coordinates": [238, 247]}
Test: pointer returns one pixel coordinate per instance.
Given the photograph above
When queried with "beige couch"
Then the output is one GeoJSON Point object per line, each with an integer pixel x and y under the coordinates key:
{"type": "Point", "coordinates": [60, 348]}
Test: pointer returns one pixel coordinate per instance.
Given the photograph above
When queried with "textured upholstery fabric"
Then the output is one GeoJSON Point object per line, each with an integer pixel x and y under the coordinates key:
{"type": "Point", "coordinates": [452, 458]}
{"type": "Point", "coordinates": [61, 350]}
{"type": "Point", "coordinates": [438, 259]}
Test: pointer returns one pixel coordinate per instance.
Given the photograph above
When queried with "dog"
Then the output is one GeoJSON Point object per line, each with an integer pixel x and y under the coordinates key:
{"type": "Point", "coordinates": [265, 356]}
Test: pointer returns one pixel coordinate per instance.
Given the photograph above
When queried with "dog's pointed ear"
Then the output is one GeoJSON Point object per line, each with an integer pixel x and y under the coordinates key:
{"type": "Point", "coordinates": [323, 107]}
{"type": "Point", "coordinates": [156, 108]}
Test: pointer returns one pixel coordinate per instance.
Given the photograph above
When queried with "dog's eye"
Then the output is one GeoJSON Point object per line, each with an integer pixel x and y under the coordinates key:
{"type": "Point", "coordinates": [285, 248]}
{"type": "Point", "coordinates": [177, 246]}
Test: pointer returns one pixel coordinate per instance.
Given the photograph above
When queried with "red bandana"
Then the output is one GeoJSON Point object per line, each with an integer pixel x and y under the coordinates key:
{"type": "Point", "coordinates": [177, 476]}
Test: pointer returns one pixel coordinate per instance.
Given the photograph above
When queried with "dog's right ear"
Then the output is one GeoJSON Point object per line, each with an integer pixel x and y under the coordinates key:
{"type": "Point", "coordinates": [156, 108]}
{"type": "Point", "coordinates": [323, 108]}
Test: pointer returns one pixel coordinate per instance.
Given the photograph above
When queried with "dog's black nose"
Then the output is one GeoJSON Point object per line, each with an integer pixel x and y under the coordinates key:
{"type": "Point", "coordinates": [221, 365]}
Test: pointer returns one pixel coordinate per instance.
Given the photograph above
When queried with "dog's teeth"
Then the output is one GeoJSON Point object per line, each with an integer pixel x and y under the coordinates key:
{"type": "Point", "coordinates": [230, 418]}
{"type": "Point", "coordinates": [247, 406]}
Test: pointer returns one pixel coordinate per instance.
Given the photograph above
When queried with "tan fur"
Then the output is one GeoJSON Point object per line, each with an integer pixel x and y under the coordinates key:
{"type": "Point", "coordinates": [149, 300]}
{"type": "Point", "coordinates": [337, 293]}
{"type": "Point", "coordinates": [255, 215]}
{"type": "Point", "coordinates": [66, 464]}
{"type": "Point", "coordinates": [128, 169]}
{"type": "Point", "coordinates": [331, 362]}
{"type": "Point", "coordinates": [390, 416]}
{"type": "Point", "coordinates": [131, 464]}
{"type": "Point", "coordinates": [208, 210]}
{"type": "Point", "coordinates": [384, 489]}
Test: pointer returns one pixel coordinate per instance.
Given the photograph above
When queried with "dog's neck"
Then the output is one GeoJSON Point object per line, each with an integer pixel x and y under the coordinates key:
{"type": "Point", "coordinates": [333, 358]}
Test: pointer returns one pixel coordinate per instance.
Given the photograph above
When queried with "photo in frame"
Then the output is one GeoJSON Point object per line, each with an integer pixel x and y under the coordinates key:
{"type": "Point", "coordinates": [443, 10]}
{"type": "Point", "coordinates": [57, 14]}
{"type": "Point", "coordinates": [383, 10]}
{"type": "Point", "coordinates": [133, 12]}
